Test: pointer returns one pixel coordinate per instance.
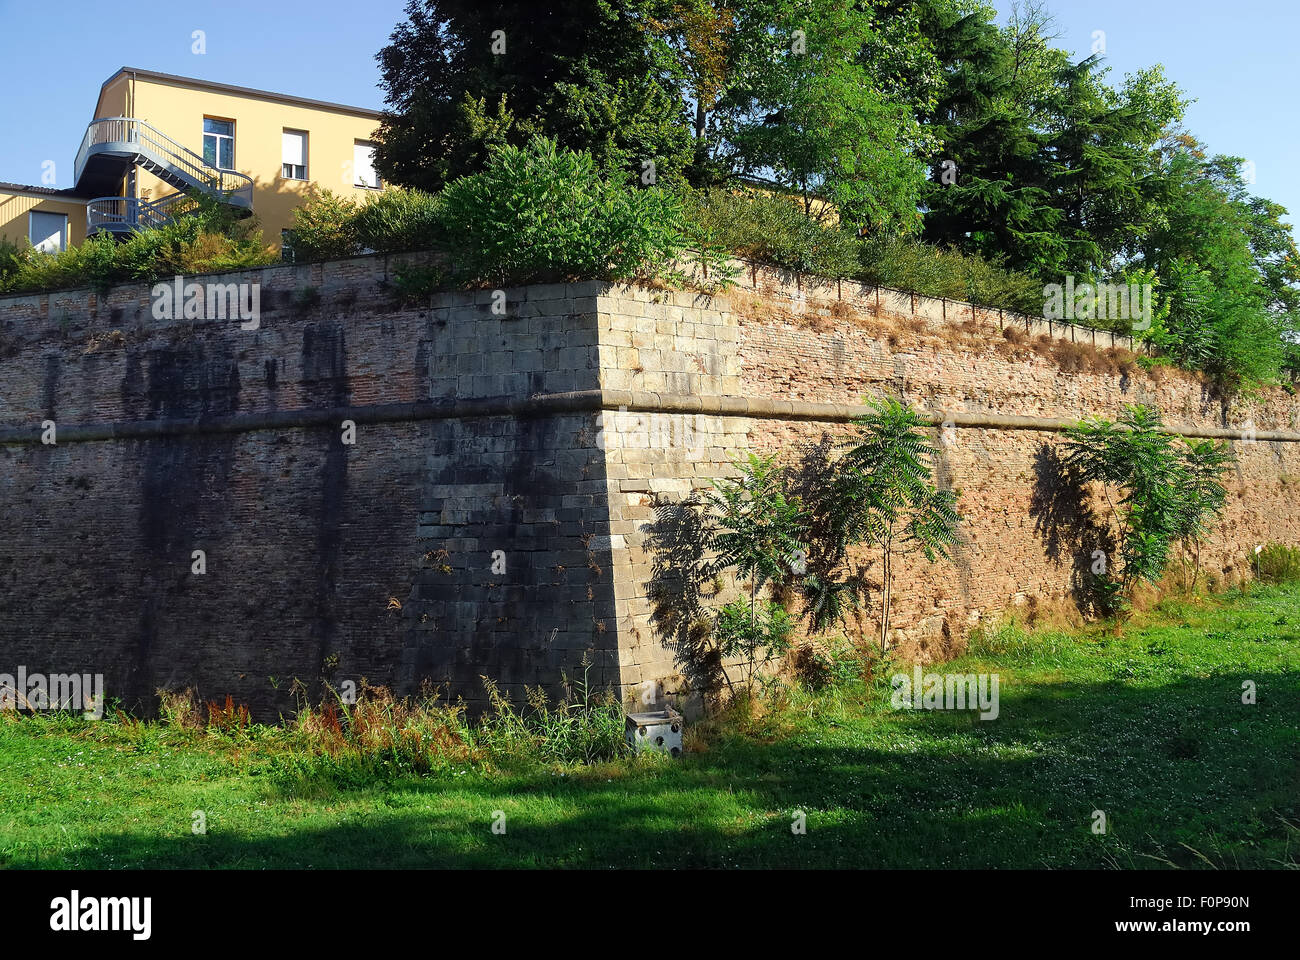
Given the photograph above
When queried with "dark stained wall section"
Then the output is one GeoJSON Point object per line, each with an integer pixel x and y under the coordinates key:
{"type": "Point", "coordinates": [325, 561]}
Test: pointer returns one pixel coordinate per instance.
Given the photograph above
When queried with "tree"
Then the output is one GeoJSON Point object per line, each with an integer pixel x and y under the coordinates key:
{"type": "Point", "coordinates": [1101, 150]}
{"type": "Point", "coordinates": [804, 108]}
{"type": "Point", "coordinates": [694, 39]}
{"type": "Point", "coordinates": [1046, 164]}
{"type": "Point", "coordinates": [878, 493]}
{"type": "Point", "coordinates": [1204, 462]}
{"type": "Point", "coordinates": [462, 76]}
{"type": "Point", "coordinates": [988, 192]}
{"type": "Point", "coordinates": [1160, 489]}
{"type": "Point", "coordinates": [888, 474]}
{"type": "Point", "coordinates": [754, 530]}
{"type": "Point", "coordinates": [1223, 263]}
{"type": "Point", "coordinates": [755, 524]}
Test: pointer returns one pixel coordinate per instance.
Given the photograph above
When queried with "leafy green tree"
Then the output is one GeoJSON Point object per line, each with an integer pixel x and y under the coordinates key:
{"type": "Point", "coordinates": [693, 41]}
{"type": "Point", "coordinates": [754, 637]}
{"type": "Point", "coordinates": [805, 109]}
{"type": "Point", "coordinates": [1204, 462]}
{"type": "Point", "coordinates": [1276, 257]}
{"type": "Point", "coordinates": [878, 493]}
{"type": "Point", "coordinates": [1046, 162]}
{"type": "Point", "coordinates": [989, 192]}
{"type": "Point", "coordinates": [753, 529]}
{"type": "Point", "coordinates": [1160, 490]}
{"type": "Point", "coordinates": [464, 76]}
{"type": "Point", "coordinates": [1101, 157]}
{"type": "Point", "coordinates": [755, 524]}
{"type": "Point", "coordinates": [1223, 263]}
{"type": "Point", "coordinates": [887, 474]}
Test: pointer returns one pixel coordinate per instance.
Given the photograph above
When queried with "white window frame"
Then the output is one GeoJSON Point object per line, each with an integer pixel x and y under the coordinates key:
{"type": "Point", "coordinates": [288, 170]}
{"type": "Point", "coordinates": [216, 155]}
{"type": "Point", "coordinates": [63, 233]}
{"type": "Point", "coordinates": [356, 167]}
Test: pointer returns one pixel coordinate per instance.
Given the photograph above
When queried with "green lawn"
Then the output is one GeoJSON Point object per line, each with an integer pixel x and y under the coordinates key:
{"type": "Point", "coordinates": [1148, 727]}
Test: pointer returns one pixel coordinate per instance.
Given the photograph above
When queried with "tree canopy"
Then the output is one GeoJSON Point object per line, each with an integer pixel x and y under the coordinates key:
{"type": "Point", "coordinates": [925, 121]}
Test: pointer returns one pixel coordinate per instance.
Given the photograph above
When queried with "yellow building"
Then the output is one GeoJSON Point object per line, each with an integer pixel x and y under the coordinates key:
{"type": "Point", "coordinates": [155, 136]}
{"type": "Point", "coordinates": [50, 219]}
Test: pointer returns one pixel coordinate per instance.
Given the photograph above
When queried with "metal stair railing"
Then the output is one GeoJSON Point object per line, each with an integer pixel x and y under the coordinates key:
{"type": "Point", "coordinates": [165, 157]}
{"type": "Point", "coordinates": [171, 206]}
{"type": "Point", "coordinates": [120, 213]}
{"type": "Point", "coordinates": [130, 213]}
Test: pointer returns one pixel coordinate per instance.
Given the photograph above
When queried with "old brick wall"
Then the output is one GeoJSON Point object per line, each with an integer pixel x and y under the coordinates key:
{"type": "Point", "coordinates": [785, 360]}
{"type": "Point", "coordinates": [325, 561]}
{"type": "Point", "coordinates": [563, 433]}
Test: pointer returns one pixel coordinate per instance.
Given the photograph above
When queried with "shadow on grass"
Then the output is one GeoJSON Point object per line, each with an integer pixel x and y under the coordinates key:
{"type": "Point", "coordinates": [1174, 765]}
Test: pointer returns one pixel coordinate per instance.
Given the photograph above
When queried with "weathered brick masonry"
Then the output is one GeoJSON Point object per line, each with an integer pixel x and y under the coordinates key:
{"type": "Point", "coordinates": [478, 433]}
{"type": "Point", "coordinates": [805, 354]}
{"type": "Point", "coordinates": [324, 560]}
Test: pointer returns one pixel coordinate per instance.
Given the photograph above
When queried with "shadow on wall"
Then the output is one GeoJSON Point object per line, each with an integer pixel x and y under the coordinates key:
{"type": "Point", "coordinates": [1071, 532]}
{"type": "Point", "coordinates": [680, 572]}
{"type": "Point", "coordinates": [685, 587]}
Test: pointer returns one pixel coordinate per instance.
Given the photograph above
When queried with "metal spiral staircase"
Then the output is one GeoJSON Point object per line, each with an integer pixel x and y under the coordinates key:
{"type": "Point", "coordinates": [113, 146]}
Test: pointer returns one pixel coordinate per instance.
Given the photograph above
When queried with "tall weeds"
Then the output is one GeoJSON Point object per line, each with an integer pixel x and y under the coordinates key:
{"type": "Point", "coordinates": [379, 735]}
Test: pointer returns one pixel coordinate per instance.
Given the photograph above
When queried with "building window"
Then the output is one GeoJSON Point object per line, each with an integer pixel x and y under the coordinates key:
{"type": "Point", "coordinates": [294, 154]}
{"type": "Point", "coordinates": [363, 163]}
{"type": "Point", "coordinates": [48, 232]}
{"type": "Point", "coordinates": [219, 143]}
{"type": "Point", "coordinates": [286, 246]}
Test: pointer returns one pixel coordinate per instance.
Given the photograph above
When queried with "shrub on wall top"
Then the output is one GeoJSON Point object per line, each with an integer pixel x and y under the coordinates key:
{"type": "Point", "coordinates": [324, 226]}
{"type": "Point", "coordinates": [11, 258]}
{"type": "Point", "coordinates": [209, 240]}
{"type": "Point", "coordinates": [399, 219]}
{"type": "Point", "coordinates": [943, 272]}
{"type": "Point", "coordinates": [541, 213]}
{"type": "Point", "coordinates": [771, 228]}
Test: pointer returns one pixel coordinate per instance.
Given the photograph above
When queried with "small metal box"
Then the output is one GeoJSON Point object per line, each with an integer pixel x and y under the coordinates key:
{"type": "Point", "coordinates": [659, 730]}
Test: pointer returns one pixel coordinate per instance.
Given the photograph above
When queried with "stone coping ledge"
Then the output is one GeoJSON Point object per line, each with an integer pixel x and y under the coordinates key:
{"type": "Point", "coordinates": [347, 273]}
{"type": "Point", "coordinates": [580, 401]}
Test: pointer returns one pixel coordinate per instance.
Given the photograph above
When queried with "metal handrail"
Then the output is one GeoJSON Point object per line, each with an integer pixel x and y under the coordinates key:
{"type": "Point", "coordinates": [141, 134]}
{"type": "Point", "coordinates": [162, 207]}
{"type": "Point", "coordinates": [133, 213]}
{"type": "Point", "coordinates": [107, 212]}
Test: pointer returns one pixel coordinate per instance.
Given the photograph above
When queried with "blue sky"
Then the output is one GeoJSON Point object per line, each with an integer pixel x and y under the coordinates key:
{"type": "Point", "coordinates": [1237, 59]}
{"type": "Point", "coordinates": [54, 56]}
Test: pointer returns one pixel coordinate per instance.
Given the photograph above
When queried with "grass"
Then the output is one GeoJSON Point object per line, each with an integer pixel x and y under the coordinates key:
{"type": "Point", "coordinates": [1145, 724]}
